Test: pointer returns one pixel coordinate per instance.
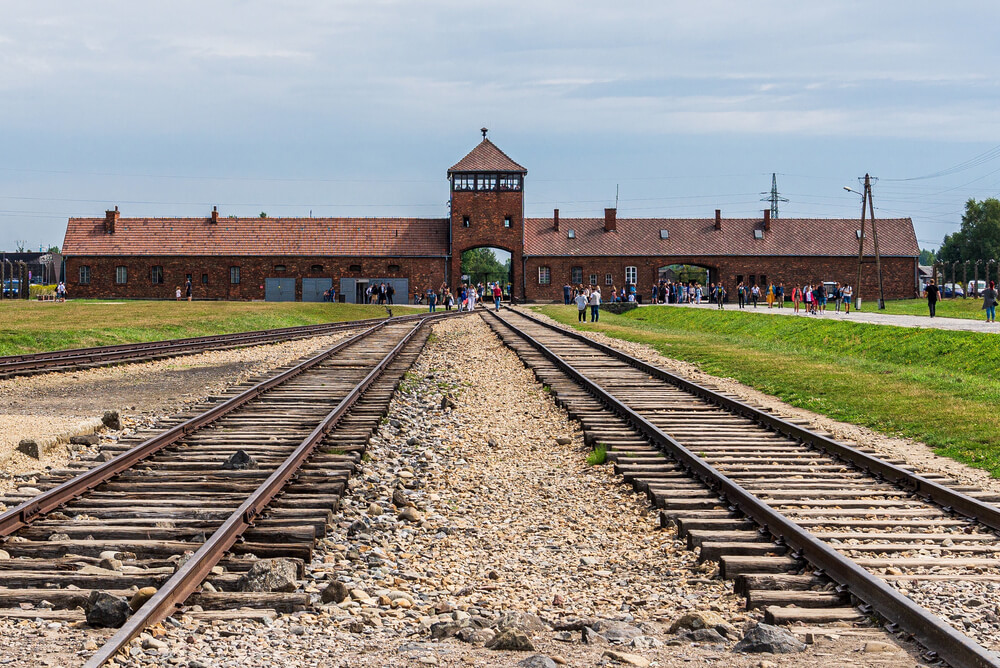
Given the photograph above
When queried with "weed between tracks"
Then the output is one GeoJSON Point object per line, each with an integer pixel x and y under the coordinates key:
{"type": "Point", "coordinates": [598, 455]}
{"type": "Point", "coordinates": [936, 386]}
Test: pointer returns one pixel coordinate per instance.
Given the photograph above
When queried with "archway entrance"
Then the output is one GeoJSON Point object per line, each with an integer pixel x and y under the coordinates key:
{"type": "Point", "coordinates": [685, 273]}
{"type": "Point", "coordinates": [487, 265]}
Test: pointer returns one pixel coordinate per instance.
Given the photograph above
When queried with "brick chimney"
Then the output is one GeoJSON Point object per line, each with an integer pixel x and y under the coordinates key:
{"type": "Point", "coordinates": [767, 220]}
{"type": "Point", "coordinates": [215, 214]}
{"type": "Point", "coordinates": [555, 219]}
{"type": "Point", "coordinates": [110, 218]}
{"type": "Point", "coordinates": [718, 219]}
{"type": "Point", "coordinates": [610, 220]}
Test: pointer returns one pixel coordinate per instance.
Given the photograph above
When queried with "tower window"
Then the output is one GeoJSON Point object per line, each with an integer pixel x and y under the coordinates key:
{"type": "Point", "coordinates": [486, 182]}
{"type": "Point", "coordinates": [463, 181]}
{"type": "Point", "coordinates": [506, 221]}
{"type": "Point", "coordinates": [465, 221]}
{"type": "Point", "coordinates": [510, 182]}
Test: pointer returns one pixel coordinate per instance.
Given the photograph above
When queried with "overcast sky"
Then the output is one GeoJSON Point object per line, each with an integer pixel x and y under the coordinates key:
{"type": "Point", "coordinates": [359, 108]}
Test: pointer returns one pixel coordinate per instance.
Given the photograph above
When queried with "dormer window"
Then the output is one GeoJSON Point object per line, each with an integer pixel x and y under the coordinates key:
{"type": "Point", "coordinates": [464, 182]}
{"type": "Point", "coordinates": [758, 234]}
{"type": "Point", "coordinates": [486, 182]}
{"type": "Point", "coordinates": [664, 234]}
{"type": "Point", "coordinates": [571, 234]}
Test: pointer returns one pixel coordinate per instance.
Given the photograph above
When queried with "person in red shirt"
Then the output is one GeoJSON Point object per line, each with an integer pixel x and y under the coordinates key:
{"type": "Point", "coordinates": [497, 294]}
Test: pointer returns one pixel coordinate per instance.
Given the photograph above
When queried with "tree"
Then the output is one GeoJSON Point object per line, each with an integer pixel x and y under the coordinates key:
{"type": "Point", "coordinates": [263, 214]}
{"type": "Point", "coordinates": [927, 257]}
{"type": "Point", "coordinates": [53, 249]}
{"type": "Point", "coordinates": [481, 264]}
{"type": "Point", "coordinates": [979, 237]}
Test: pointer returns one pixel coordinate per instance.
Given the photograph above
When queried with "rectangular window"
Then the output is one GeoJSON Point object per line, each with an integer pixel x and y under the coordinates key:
{"type": "Point", "coordinates": [544, 276]}
{"type": "Point", "coordinates": [506, 221]}
{"type": "Point", "coordinates": [84, 275]}
{"type": "Point", "coordinates": [464, 181]}
{"type": "Point", "coordinates": [204, 279]}
{"type": "Point", "coordinates": [394, 268]}
{"type": "Point", "coordinates": [234, 275]}
{"type": "Point", "coordinates": [763, 280]}
{"type": "Point", "coordinates": [593, 279]}
{"type": "Point", "coordinates": [121, 275]}
{"type": "Point", "coordinates": [279, 267]}
{"type": "Point", "coordinates": [609, 279]}
{"type": "Point", "coordinates": [356, 268]}
{"type": "Point", "coordinates": [752, 280]}
{"type": "Point", "coordinates": [510, 182]}
{"type": "Point", "coordinates": [465, 221]}
{"type": "Point", "coordinates": [739, 278]}
{"type": "Point", "coordinates": [631, 274]}
{"type": "Point", "coordinates": [156, 275]}
{"type": "Point", "coordinates": [576, 275]}
{"type": "Point", "coordinates": [486, 182]}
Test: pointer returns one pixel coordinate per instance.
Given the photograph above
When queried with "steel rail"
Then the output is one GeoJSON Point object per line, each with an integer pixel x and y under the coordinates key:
{"type": "Point", "coordinates": [929, 630]}
{"type": "Point", "coordinates": [950, 500]}
{"type": "Point", "coordinates": [12, 365]}
{"type": "Point", "coordinates": [21, 515]}
{"type": "Point", "coordinates": [194, 571]}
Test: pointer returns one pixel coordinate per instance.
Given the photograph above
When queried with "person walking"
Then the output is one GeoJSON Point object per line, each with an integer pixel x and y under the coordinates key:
{"type": "Point", "coordinates": [838, 296]}
{"type": "Point", "coordinates": [187, 289]}
{"type": "Point", "coordinates": [497, 295]}
{"type": "Point", "coordinates": [432, 299]}
{"type": "Point", "coordinates": [770, 295]}
{"type": "Point", "coordinates": [990, 302]}
{"type": "Point", "coordinates": [595, 305]}
{"type": "Point", "coordinates": [177, 293]}
{"type": "Point", "coordinates": [720, 296]}
{"type": "Point", "coordinates": [796, 298]}
{"type": "Point", "coordinates": [754, 294]}
{"type": "Point", "coordinates": [581, 307]}
{"type": "Point", "coordinates": [846, 293]}
{"type": "Point", "coordinates": [779, 295]}
{"type": "Point", "coordinates": [389, 292]}
{"type": "Point", "coordinates": [932, 293]}
{"type": "Point", "coordinates": [740, 294]}
{"type": "Point", "coordinates": [567, 294]}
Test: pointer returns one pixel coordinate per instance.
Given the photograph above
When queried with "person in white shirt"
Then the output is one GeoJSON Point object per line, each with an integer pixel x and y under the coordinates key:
{"type": "Point", "coordinates": [595, 305]}
{"type": "Point", "coordinates": [581, 306]}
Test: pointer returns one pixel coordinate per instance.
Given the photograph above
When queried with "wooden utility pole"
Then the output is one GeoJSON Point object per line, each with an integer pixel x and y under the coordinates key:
{"type": "Point", "coordinates": [868, 208]}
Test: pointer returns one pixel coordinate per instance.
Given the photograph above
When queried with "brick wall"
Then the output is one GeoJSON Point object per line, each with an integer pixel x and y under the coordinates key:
{"type": "Point", "coordinates": [422, 272]}
{"type": "Point", "coordinates": [486, 212]}
{"type": "Point", "coordinates": [898, 274]}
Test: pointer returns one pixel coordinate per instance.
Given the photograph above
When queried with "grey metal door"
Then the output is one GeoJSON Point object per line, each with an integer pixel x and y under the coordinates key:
{"type": "Point", "coordinates": [313, 288]}
{"type": "Point", "coordinates": [279, 289]}
{"type": "Point", "coordinates": [347, 290]}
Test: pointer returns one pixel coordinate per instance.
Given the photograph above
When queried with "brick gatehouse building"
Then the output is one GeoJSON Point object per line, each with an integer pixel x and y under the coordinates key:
{"type": "Point", "coordinates": [299, 258]}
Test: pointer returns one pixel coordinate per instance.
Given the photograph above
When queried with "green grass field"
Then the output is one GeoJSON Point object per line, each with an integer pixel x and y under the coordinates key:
{"type": "Point", "coordinates": [939, 387]}
{"type": "Point", "coordinates": [27, 327]}
{"type": "Point", "coordinates": [970, 308]}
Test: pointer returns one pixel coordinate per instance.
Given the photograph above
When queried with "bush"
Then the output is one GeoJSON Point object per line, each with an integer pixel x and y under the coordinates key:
{"type": "Point", "coordinates": [618, 307]}
{"type": "Point", "coordinates": [35, 290]}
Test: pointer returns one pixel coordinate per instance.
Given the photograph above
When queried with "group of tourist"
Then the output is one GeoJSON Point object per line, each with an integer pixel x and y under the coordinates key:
{"type": "Point", "coordinates": [467, 298]}
{"type": "Point", "coordinates": [381, 294]}
{"type": "Point", "coordinates": [588, 296]}
{"type": "Point", "coordinates": [626, 294]}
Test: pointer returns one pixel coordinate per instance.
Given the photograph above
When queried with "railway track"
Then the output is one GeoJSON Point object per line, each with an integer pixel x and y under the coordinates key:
{"type": "Point", "coordinates": [811, 530]}
{"type": "Point", "coordinates": [85, 358]}
{"type": "Point", "coordinates": [253, 475]}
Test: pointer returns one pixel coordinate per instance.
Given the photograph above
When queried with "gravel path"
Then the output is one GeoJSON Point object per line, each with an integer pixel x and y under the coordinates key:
{"type": "Point", "coordinates": [870, 317]}
{"type": "Point", "coordinates": [49, 408]}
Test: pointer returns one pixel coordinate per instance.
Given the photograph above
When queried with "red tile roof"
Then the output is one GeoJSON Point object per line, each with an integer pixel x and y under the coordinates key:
{"type": "Point", "coordinates": [486, 157]}
{"type": "Point", "coordinates": [697, 236]}
{"type": "Point", "coordinates": [389, 237]}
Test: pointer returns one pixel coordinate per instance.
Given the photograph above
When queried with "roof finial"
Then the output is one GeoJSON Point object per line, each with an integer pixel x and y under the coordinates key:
{"type": "Point", "coordinates": [484, 131]}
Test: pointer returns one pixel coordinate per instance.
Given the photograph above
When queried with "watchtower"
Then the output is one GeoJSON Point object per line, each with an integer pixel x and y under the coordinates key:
{"type": "Point", "coordinates": [487, 208]}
